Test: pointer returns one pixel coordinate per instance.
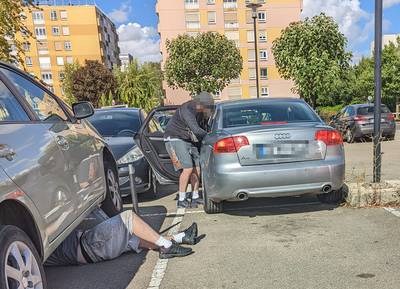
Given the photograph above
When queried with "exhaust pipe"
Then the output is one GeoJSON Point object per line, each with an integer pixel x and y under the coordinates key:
{"type": "Point", "coordinates": [242, 196]}
{"type": "Point", "coordinates": [327, 188]}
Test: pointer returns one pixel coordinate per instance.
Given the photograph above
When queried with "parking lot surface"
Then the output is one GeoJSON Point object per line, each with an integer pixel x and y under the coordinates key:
{"type": "Point", "coordinates": [266, 243]}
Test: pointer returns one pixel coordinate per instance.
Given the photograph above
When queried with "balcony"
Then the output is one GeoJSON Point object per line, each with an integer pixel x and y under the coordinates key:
{"type": "Point", "coordinates": [194, 5]}
{"type": "Point", "coordinates": [231, 25]}
{"type": "Point", "coordinates": [230, 5]}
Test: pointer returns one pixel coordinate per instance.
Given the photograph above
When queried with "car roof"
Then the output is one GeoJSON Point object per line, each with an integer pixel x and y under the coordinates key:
{"type": "Point", "coordinates": [118, 109]}
{"type": "Point", "coordinates": [258, 100]}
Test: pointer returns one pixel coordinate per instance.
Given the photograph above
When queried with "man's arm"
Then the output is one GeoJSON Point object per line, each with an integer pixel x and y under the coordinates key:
{"type": "Point", "coordinates": [190, 119]}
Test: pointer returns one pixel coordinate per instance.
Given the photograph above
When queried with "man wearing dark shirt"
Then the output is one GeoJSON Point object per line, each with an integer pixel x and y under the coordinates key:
{"type": "Point", "coordinates": [182, 138]}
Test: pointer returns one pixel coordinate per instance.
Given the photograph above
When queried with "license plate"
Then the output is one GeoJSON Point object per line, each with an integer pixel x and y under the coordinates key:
{"type": "Point", "coordinates": [282, 150]}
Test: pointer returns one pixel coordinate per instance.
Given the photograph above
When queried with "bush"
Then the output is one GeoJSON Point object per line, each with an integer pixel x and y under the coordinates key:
{"type": "Point", "coordinates": [327, 112]}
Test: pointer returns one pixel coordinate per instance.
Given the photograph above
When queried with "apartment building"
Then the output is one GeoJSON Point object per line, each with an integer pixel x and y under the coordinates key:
{"type": "Point", "coordinates": [66, 34]}
{"type": "Point", "coordinates": [234, 20]}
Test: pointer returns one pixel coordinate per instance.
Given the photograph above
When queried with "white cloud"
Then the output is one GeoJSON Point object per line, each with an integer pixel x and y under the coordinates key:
{"type": "Point", "coordinates": [121, 14]}
{"type": "Point", "coordinates": [141, 42]}
{"type": "Point", "coordinates": [390, 3]}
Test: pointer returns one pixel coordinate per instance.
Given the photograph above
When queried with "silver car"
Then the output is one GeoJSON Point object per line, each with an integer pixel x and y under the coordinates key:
{"type": "Point", "coordinates": [54, 169]}
{"type": "Point", "coordinates": [257, 148]}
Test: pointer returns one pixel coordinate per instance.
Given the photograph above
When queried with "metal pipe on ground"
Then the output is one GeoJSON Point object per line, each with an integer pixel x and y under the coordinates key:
{"type": "Point", "coordinates": [135, 202]}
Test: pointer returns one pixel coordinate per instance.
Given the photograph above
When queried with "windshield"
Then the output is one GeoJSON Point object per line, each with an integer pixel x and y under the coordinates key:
{"type": "Point", "coordinates": [370, 110]}
{"type": "Point", "coordinates": [116, 123]}
{"type": "Point", "coordinates": [267, 113]}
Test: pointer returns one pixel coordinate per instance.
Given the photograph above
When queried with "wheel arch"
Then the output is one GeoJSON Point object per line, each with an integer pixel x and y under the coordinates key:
{"type": "Point", "coordinates": [14, 213]}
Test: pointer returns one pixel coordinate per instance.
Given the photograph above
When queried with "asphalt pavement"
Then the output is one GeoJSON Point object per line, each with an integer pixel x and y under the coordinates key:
{"type": "Point", "coordinates": [265, 243]}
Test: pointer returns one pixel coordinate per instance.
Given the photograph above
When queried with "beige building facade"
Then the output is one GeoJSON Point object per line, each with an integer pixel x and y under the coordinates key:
{"type": "Point", "coordinates": [232, 19]}
{"type": "Point", "coordinates": [67, 34]}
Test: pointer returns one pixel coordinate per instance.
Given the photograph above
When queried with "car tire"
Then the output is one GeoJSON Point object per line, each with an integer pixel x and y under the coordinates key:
{"type": "Point", "coordinates": [333, 197]}
{"type": "Point", "coordinates": [15, 248]}
{"type": "Point", "coordinates": [349, 135]}
{"type": "Point", "coordinates": [211, 207]}
{"type": "Point", "coordinates": [113, 203]}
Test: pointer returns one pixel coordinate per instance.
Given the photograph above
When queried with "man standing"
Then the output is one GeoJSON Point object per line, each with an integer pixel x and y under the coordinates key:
{"type": "Point", "coordinates": [183, 135]}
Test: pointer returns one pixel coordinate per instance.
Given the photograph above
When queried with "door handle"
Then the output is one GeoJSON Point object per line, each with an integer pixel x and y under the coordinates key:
{"type": "Point", "coordinates": [62, 142]}
{"type": "Point", "coordinates": [6, 152]}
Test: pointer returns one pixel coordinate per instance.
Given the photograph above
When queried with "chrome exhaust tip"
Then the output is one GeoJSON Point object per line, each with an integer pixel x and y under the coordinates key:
{"type": "Point", "coordinates": [242, 196]}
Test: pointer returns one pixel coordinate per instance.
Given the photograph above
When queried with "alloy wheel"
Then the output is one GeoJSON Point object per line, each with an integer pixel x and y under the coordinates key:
{"type": "Point", "coordinates": [113, 188]}
{"type": "Point", "coordinates": [22, 269]}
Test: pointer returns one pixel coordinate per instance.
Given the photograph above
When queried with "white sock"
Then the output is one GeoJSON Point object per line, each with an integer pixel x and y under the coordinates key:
{"type": "Point", "coordinates": [162, 242]}
{"type": "Point", "coordinates": [178, 237]}
{"type": "Point", "coordinates": [195, 195]}
{"type": "Point", "coordinates": [182, 196]}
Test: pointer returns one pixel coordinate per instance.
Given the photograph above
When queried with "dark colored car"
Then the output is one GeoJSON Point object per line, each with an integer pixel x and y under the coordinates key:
{"type": "Point", "coordinates": [118, 127]}
{"type": "Point", "coordinates": [357, 121]}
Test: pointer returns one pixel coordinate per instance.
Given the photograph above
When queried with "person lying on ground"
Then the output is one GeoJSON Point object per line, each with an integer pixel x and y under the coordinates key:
{"type": "Point", "coordinates": [111, 237]}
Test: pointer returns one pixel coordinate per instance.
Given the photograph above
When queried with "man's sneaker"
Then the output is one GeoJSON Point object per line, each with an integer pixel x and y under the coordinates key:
{"type": "Point", "coordinates": [190, 235]}
{"type": "Point", "coordinates": [198, 201]}
{"type": "Point", "coordinates": [174, 251]}
{"type": "Point", "coordinates": [183, 204]}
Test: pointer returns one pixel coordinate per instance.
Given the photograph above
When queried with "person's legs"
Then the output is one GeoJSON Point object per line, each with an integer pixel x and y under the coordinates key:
{"type": "Point", "coordinates": [183, 183]}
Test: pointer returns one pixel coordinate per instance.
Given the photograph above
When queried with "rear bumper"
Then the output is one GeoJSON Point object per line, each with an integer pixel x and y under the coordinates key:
{"type": "Point", "coordinates": [275, 180]}
{"type": "Point", "coordinates": [368, 130]}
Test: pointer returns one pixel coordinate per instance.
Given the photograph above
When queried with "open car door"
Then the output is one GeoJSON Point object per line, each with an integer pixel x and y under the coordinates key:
{"type": "Point", "coordinates": [150, 140]}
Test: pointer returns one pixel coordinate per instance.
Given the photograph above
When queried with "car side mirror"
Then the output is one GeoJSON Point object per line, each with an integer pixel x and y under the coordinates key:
{"type": "Point", "coordinates": [82, 109]}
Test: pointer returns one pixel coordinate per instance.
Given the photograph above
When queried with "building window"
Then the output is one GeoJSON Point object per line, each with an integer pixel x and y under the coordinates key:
{"type": "Point", "coordinates": [235, 81]}
{"type": "Point", "coordinates": [42, 47]}
{"type": "Point", "coordinates": [63, 15]}
{"type": "Point", "coordinates": [55, 30]}
{"type": "Point", "coordinates": [263, 54]}
{"type": "Point", "coordinates": [70, 60]}
{"type": "Point", "coordinates": [192, 20]}
{"type": "Point", "coordinates": [65, 30]}
{"type": "Point", "coordinates": [230, 4]}
{"type": "Point", "coordinates": [252, 73]}
{"type": "Point", "coordinates": [40, 32]}
{"type": "Point", "coordinates": [28, 61]}
{"type": "Point", "coordinates": [210, 2]}
{"type": "Point", "coordinates": [38, 17]}
{"type": "Point", "coordinates": [47, 77]}
{"type": "Point", "coordinates": [60, 60]}
{"type": "Point", "coordinates": [250, 36]}
{"type": "Point", "coordinates": [233, 36]}
{"type": "Point", "coordinates": [262, 36]}
{"type": "Point", "coordinates": [235, 92]}
{"type": "Point", "coordinates": [253, 91]}
{"type": "Point", "coordinates": [61, 75]}
{"type": "Point", "coordinates": [53, 15]}
{"type": "Point", "coordinates": [264, 91]}
{"type": "Point", "coordinates": [192, 4]}
{"type": "Point", "coordinates": [58, 45]}
{"type": "Point", "coordinates": [262, 16]}
{"type": "Point", "coordinates": [45, 62]}
{"type": "Point", "coordinates": [251, 55]}
{"type": "Point", "coordinates": [67, 45]}
{"type": "Point", "coordinates": [264, 73]}
{"type": "Point", "coordinates": [212, 17]}
{"type": "Point", "coordinates": [231, 20]}
{"type": "Point", "coordinates": [26, 46]}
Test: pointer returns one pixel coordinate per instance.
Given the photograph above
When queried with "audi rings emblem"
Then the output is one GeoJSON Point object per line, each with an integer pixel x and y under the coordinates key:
{"type": "Point", "coordinates": [282, 136]}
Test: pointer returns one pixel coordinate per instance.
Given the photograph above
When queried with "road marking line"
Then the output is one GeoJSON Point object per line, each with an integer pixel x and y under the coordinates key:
{"type": "Point", "coordinates": [161, 266]}
{"type": "Point", "coordinates": [393, 211]}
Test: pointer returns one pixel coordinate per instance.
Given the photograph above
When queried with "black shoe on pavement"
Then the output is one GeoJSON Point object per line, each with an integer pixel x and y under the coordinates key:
{"type": "Point", "coordinates": [183, 204]}
{"type": "Point", "coordinates": [198, 201]}
{"type": "Point", "coordinates": [190, 235]}
{"type": "Point", "coordinates": [174, 251]}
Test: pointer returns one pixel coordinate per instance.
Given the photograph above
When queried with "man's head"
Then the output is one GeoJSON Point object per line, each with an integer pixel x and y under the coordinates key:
{"type": "Point", "coordinates": [205, 102]}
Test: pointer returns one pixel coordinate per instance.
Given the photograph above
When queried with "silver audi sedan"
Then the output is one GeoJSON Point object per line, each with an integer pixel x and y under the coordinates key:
{"type": "Point", "coordinates": [257, 148]}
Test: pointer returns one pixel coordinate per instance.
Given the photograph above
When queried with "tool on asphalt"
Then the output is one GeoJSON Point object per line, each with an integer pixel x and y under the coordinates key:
{"type": "Point", "coordinates": [135, 203]}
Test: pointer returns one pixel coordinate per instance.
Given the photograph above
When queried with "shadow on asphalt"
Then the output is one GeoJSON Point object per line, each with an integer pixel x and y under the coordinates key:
{"type": "Point", "coordinates": [276, 206]}
{"type": "Point", "coordinates": [115, 274]}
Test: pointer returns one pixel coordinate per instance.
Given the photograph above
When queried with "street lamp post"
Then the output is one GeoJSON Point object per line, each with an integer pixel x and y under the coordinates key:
{"type": "Point", "coordinates": [378, 91]}
{"type": "Point", "coordinates": [254, 7]}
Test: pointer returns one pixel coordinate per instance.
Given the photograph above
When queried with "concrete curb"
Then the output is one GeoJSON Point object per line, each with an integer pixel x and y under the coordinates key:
{"type": "Point", "coordinates": [385, 194]}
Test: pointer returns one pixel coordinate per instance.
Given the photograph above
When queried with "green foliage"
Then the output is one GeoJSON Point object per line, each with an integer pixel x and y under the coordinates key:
{"type": "Point", "coordinates": [207, 62]}
{"type": "Point", "coordinates": [140, 85]}
{"type": "Point", "coordinates": [67, 82]}
{"type": "Point", "coordinates": [327, 112]}
{"type": "Point", "coordinates": [106, 100]}
{"type": "Point", "coordinates": [11, 23]}
{"type": "Point", "coordinates": [312, 53]}
{"type": "Point", "coordinates": [91, 81]}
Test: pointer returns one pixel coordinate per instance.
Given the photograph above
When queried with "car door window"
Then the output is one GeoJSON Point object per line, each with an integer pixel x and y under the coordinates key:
{"type": "Point", "coordinates": [10, 108]}
{"type": "Point", "coordinates": [43, 104]}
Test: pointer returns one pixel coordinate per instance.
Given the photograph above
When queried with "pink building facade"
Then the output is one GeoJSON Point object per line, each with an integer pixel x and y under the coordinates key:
{"type": "Point", "coordinates": [232, 19]}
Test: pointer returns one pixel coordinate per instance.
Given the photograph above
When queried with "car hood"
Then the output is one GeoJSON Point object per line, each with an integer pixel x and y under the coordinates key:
{"type": "Point", "coordinates": [120, 145]}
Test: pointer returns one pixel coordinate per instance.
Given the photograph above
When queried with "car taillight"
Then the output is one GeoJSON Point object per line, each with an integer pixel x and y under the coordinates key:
{"type": "Point", "coordinates": [391, 117]}
{"type": "Point", "coordinates": [359, 118]}
{"type": "Point", "coordinates": [329, 137]}
{"type": "Point", "coordinates": [230, 144]}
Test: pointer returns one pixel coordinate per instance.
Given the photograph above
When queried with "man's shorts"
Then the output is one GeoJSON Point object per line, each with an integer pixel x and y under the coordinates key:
{"type": "Point", "coordinates": [184, 155]}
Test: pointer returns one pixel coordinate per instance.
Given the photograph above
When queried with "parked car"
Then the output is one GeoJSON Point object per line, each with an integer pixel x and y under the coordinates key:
{"type": "Point", "coordinates": [118, 126]}
{"type": "Point", "coordinates": [357, 121]}
{"type": "Point", "coordinates": [257, 148]}
{"type": "Point", "coordinates": [54, 169]}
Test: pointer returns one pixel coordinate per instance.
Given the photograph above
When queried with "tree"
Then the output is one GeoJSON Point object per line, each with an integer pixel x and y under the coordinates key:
{"type": "Point", "coordinates": [67, 82]}
{"type": "Point", "coordinates": [91, 81]}
{"type": "Point", "coordinates": [207, 62]}
{"type": "Point", "coordinates": [11, 23]}
{"type": "Point", "coordinates": [140, 85]}
{"type": "Point", "coordinates": [313, 54]}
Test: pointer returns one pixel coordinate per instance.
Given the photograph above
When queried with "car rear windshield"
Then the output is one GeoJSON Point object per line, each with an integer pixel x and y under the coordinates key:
{"type": "Point", "coordinates": [370, 110]}
{"type": "Point", "coordinates": [116, 123]}
{"type": "Point", "coordinates": [267, 113]}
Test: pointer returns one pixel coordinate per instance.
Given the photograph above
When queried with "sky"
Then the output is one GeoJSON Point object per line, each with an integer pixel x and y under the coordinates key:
{"type": "Point", "coordinates": [137, 23]}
